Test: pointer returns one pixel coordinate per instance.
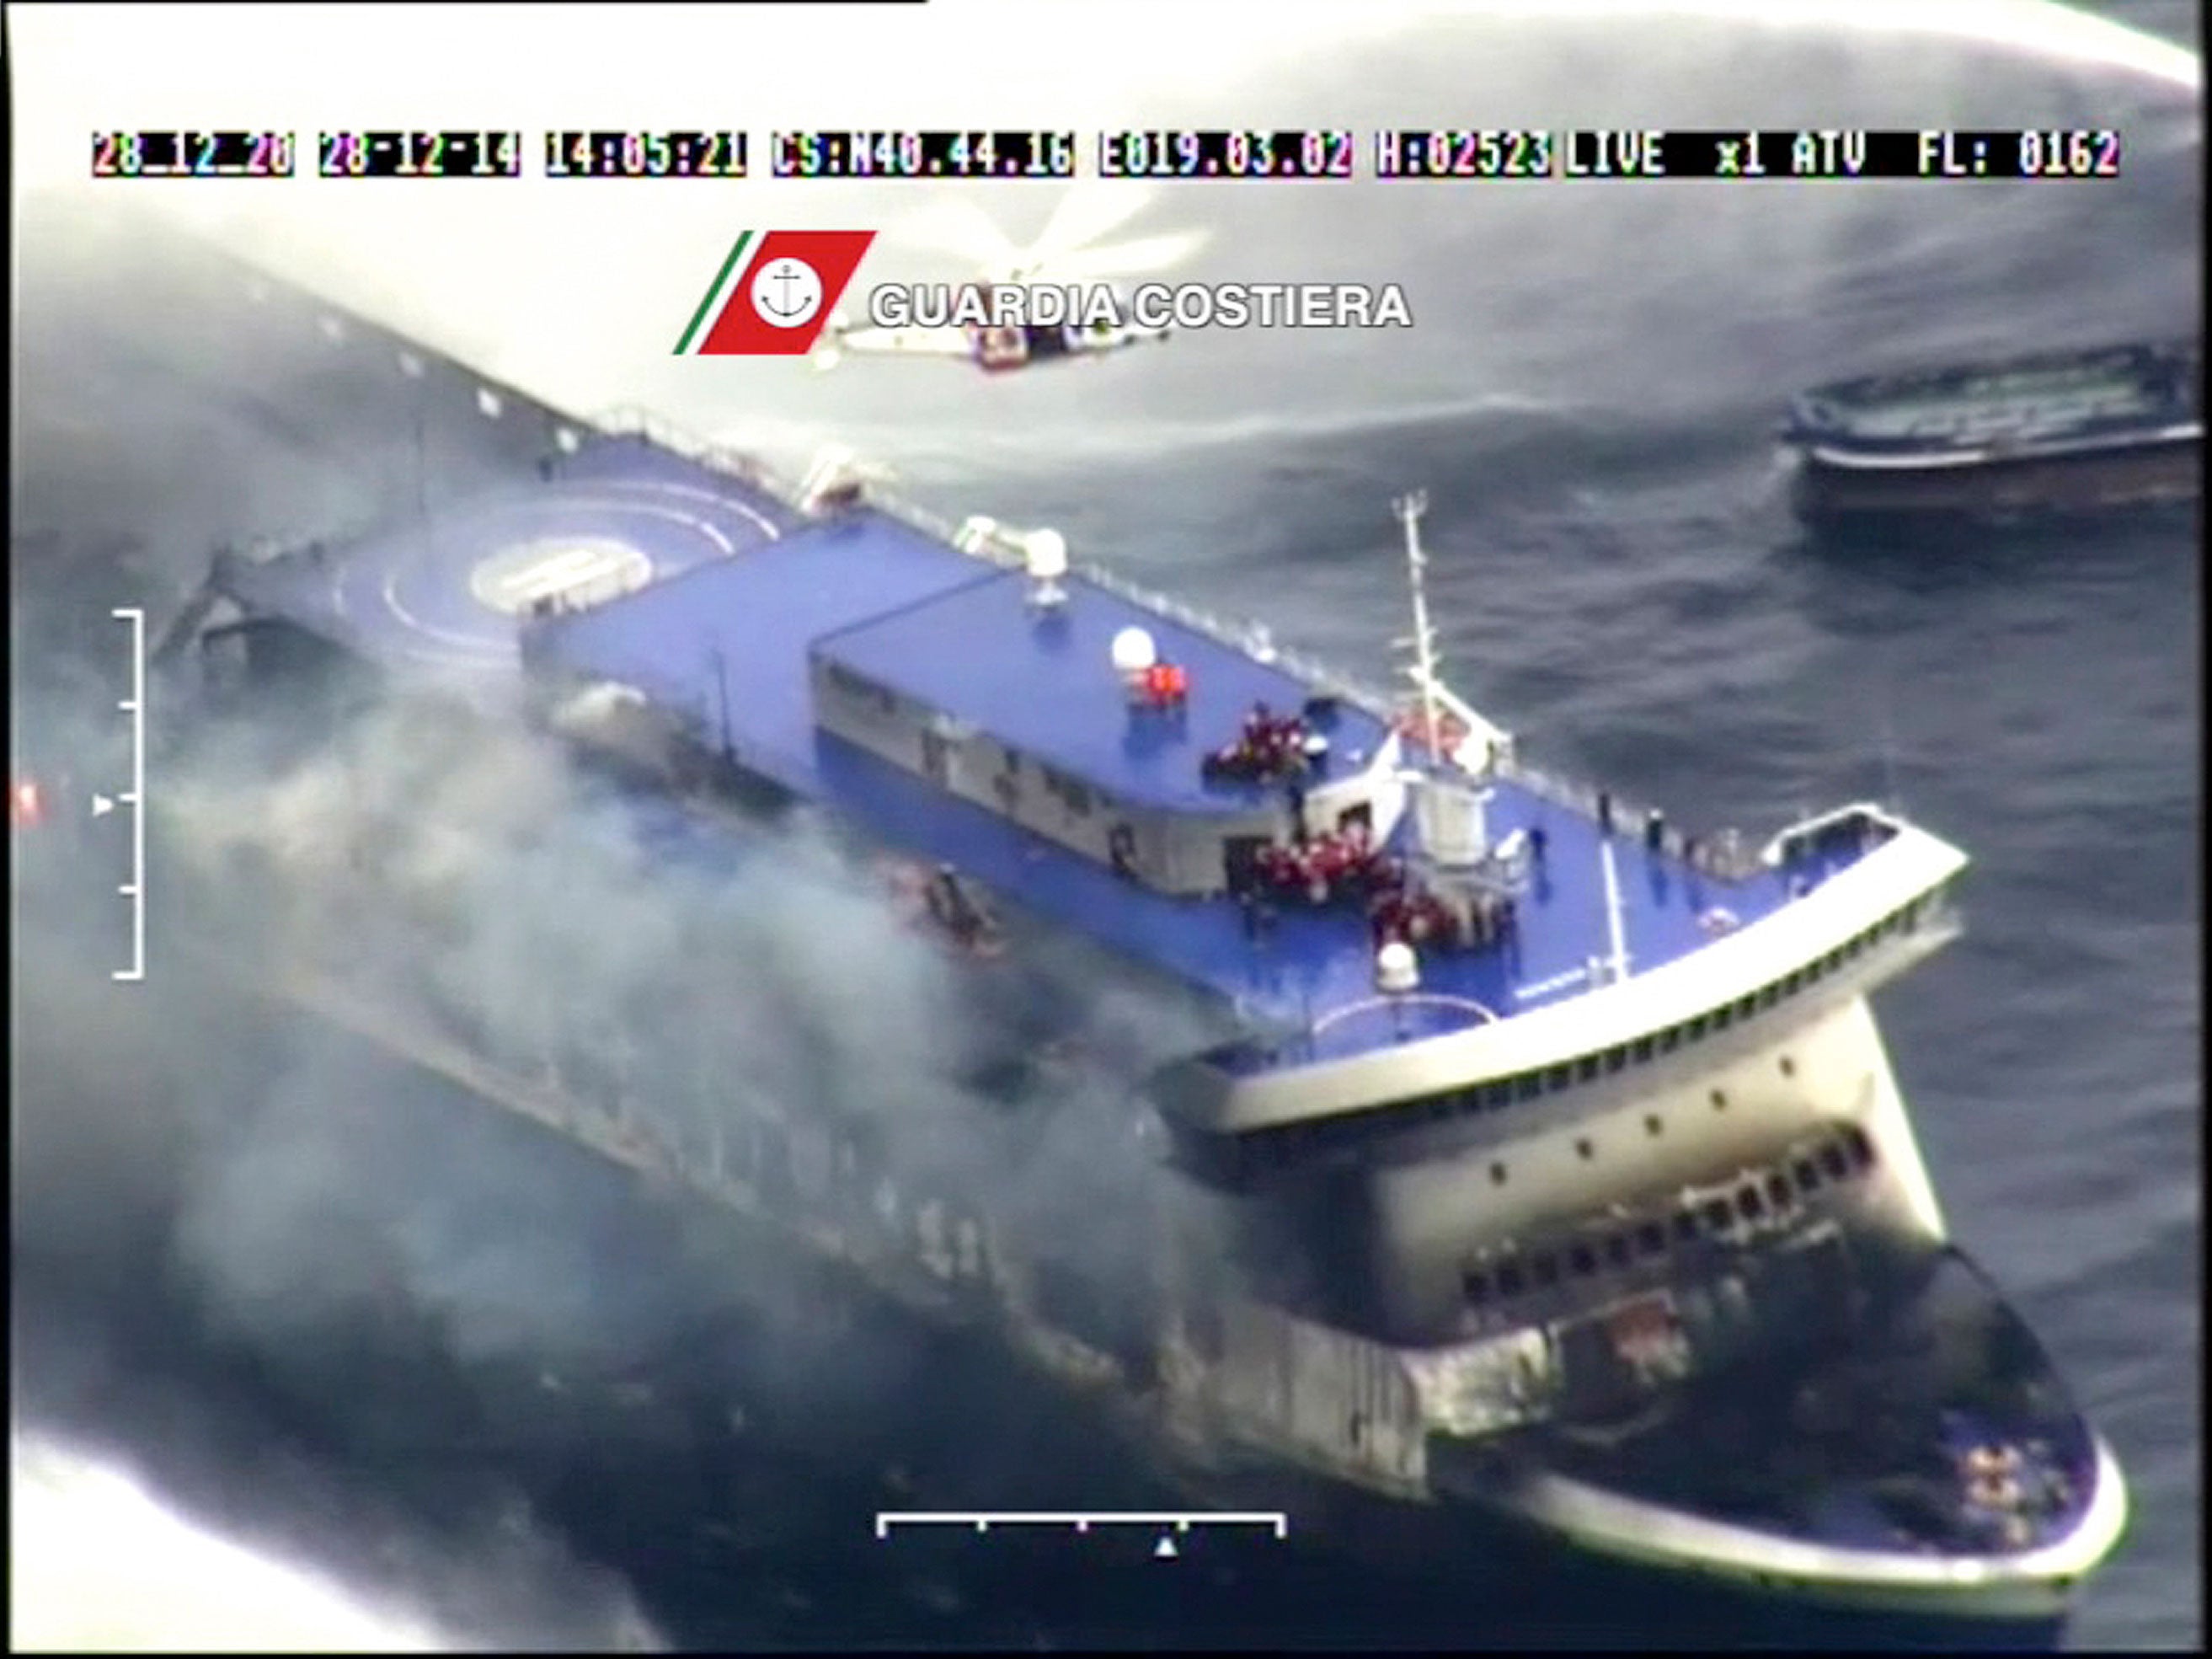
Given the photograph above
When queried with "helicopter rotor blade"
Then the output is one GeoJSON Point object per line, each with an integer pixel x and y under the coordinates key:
{"type": "Point", "coordinates": [1137, 257]}
{"type": "Point", "coordinates": [1091, 208]}
{"type": "Point", "coordinates": [958, 228]}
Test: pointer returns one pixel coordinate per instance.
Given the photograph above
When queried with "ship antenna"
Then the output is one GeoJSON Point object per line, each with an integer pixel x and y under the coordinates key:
{"type": "Point", "coordinates": [722, 686]}
{"type": "Point", "coordinates": [1889, 754]}
{"type": "Point", "coordinates": [1409, 508]}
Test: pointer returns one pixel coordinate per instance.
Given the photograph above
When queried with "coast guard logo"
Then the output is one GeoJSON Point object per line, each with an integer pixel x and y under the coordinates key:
{"type": "Point", "coordinates": [775, 302]}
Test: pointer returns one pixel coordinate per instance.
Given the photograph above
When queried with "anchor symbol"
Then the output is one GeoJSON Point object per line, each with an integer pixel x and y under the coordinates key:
{"type": "Point", "coordinates": [786, 292]}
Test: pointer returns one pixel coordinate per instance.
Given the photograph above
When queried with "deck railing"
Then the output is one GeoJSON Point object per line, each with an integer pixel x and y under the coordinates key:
{"type": "Point", "coordinates": [629, 421]}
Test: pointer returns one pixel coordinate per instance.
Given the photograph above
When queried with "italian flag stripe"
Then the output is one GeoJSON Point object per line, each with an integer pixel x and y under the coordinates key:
{"type": "Point", "coordinates": [710, 306]}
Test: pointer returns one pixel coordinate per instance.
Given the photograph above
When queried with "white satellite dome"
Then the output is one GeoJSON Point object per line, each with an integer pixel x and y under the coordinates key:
{"type": "Point", "coordinates": [1134, 651]}
{"type": "Point", "coordinates": [1397, 969]}
{"type": "Point", "coordinates": [1046, 553]}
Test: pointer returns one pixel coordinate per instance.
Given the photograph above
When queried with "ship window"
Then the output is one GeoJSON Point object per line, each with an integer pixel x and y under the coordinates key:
{"type": "Point", "coordinates": [1862, 1148]}
{"type": "Point", "coordinates": [1720, 1100]}
{"type": "Point", "coordinates": [1792, 981]}
{"type": "Point", "coordinates": [1778, 1190]}
{"type": "Point", "coordinates": [1545, 1271]}
{"type": "Point", "coordinates": [1498, 1174]}
{"type": "Point", "coordinates": [1670, 1039]}
{"type": "Point", "coordinates": [1615, 1059]}
{"type": "Point", "coordinates": [1642, 1049]}
{"type": "Point", "coordinates": [1528, 1086]}
{"type": "Point", "coordinates": [1585, 1149]}
{"type": "Point", "coordinates": [1749, 1203]}
{"type": "Point", "coordinates": [1788, 1066]}
{"type": "Point", "coordinates": [1497, 1094]}
{"type": "Point", "coordinates": [1722, 1016]}
{"type": "Point", "coordinates": [1616, 1249]}
{"type": "Point", "coordinates": [1586, 1068]}
{"type": "Point", "coordinates": [1650, 1238]}
{"type": "Point", "coordinates": [1696, 1028]}
{"type": "Point", "coordinates": [1834, 1161]}
{"type": "Point", "coordinates": [1767, 998]}
{"type": "Point", "coordinates": [1809, 1178]}
{"type": "Point", "coordinates": [1651, 1125]}
{"type": "Point", "coordinates": [1509, 1279]}
{"type": "Point", "coordinates": [1686, 1225]}
{"type": "Point", "coordinates": [1718, 1216]}
{"type": "Point", "coordinates": [1477, 1286]}
{"type": "Point", "coordinates": [1557, 1077]}
{"type": "Point", "coordinates": [1582, 1260]}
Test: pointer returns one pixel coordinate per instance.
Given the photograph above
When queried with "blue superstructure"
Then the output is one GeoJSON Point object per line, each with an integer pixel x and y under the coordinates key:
{"type": "Point", "coordinates": [1044, 683]}
{"type": "Point", "coordinates": [741, 589]}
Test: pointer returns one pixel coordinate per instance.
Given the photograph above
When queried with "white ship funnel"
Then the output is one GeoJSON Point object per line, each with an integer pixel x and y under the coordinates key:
{"type": "Point", "coordinates": [1044, 552]}
{"type": "Point", "coordinates": [1135, 652]}
{"type": "Point", "coordinates": [1397, 969]}
{"type": "Point", "coordinates": [1447, 817]}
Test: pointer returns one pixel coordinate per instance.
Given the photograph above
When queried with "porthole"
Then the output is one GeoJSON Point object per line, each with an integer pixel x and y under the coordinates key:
{"type": "Point", "coordinates": [1651, 1124]}
{"type": "Point", "coordinates": [1718, 1217]}
{"type": "Point", "coordinates": [1585, 1149]}
{"type": "Point", "coordinates": [1545, 1271]}
{"type": "Point", "coordinates": [1581, 1259]}
{"type": "Point", "coordinates": [1788, 1066]}
{"type": "Point", "coordinates": [1477, 1286]}
{"type": "Point", "coordinates": [1862, 1148]}
{"type": "Point", "coordinates": [1509, 1282]}
{"type": "Point", "coordinates": [1497, 1174]}
{"type": "Point", "coordinates": [1650, 1238]}
{"type": "Point", "coordinates": [1686, 1225]}
{"type": "Point", "coordinates": [1807, 1177]}
{"type": "Point", "coordinates": [1834, 1161]}
{"type": "Point", "coordinates": [1778, 1190]}
{"type": "Point", "coordinates": [1748, 1203]}
{"type": "Point", "coordinates": [1616, 1249]}
{"type": "Point", "coordinates": [1720, 1100]}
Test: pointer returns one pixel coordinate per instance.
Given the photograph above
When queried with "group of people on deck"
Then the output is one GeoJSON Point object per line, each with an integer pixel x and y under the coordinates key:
{"type": "Point", "coordinates": [1326, 867]}
{"type": "Point", "coordinates": [1347, 863]}
{"type": "Point", "coordinates": [1271, 746]}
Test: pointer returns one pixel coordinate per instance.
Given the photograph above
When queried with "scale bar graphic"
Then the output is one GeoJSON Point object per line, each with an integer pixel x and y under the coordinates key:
{"type": "Point", "coordinates": [1082, 1520]}
{"type": "Point", "coordinates": [135, 705]}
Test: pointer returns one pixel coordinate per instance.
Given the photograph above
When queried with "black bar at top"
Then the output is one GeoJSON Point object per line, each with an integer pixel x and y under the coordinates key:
{"type": "Point", "coordinates": [1212, 153]}
{"type": "Point", "coordinates": [1842, 152]}
{"type": "Point", "coordinates": [871, 154]}
{"type": "Point", "coordinates": [231, 153]}
{"type": "Point", "coordinates": [485, 155]}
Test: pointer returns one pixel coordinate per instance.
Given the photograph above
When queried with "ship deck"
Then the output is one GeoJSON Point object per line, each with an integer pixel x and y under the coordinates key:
{"type": "Point", "coordinates": [744, 588]}
{"type": "Point", "coordinates": [2105, 398]}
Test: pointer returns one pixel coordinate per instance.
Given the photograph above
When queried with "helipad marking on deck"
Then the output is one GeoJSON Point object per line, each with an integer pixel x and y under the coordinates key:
{"type": "Point", "coordinates": [516, 578]}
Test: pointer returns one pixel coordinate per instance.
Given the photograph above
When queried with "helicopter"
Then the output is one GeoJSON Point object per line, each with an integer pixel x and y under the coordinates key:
{"type": "Point", "coordinates": [1065, 251]}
